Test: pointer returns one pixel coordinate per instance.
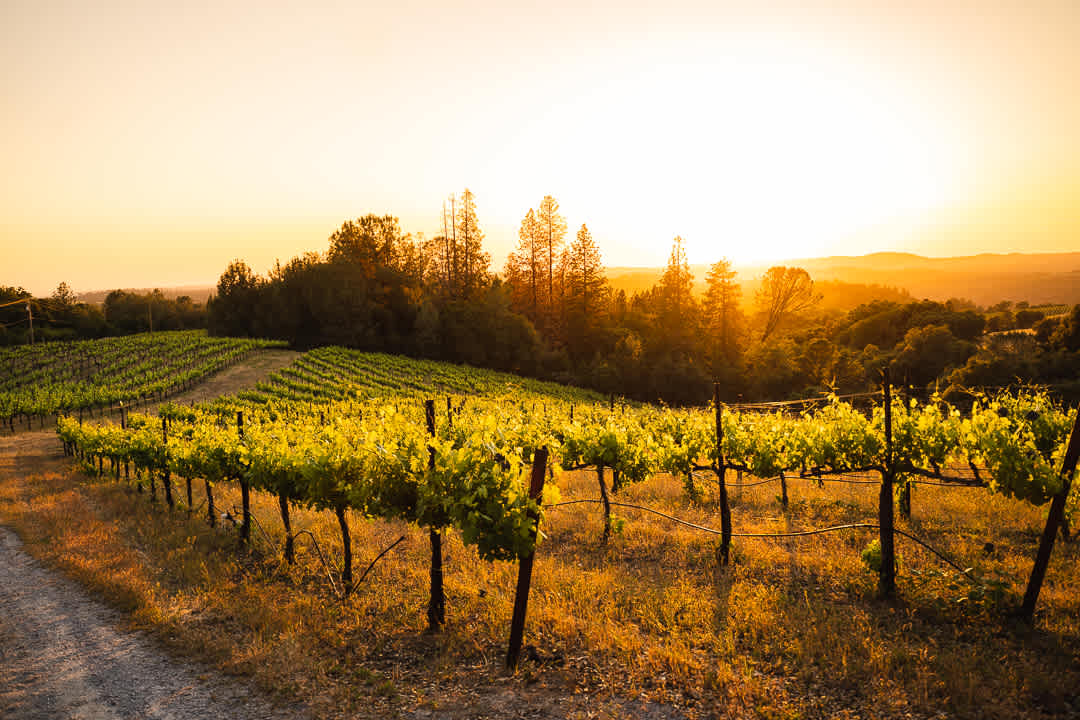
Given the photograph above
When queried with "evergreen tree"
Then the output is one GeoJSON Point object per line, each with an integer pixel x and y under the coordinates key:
{"type": "Point", "coordinates": [586, 283]}
{"type": "Point", "coordinates": [721, 313]}
{"type": "Point", "coordinates": [525, 269]}
{"type": "Point", "coordinates": [553, 234]}
{"type": "Point", "coordinates": [471, 260]}
{"type": "Point", "coordinates": [677, 309]}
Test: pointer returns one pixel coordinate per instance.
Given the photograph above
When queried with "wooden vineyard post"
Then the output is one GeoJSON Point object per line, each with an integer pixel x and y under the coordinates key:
{"type": "Point", "coordinates": [721, 474]}
{"type": "Point", "coordinates": [123, 416]}
{"type": "Point", "coordinates": [783, 491]}
{"type": "Point", "coordinates": [245, 488]}
{"type": "Point", "coordinates": [346, 541]}
{"type": "Point", "coordinates": [283, 505]}
{"type": "Point", "coordinates": [1053, 521]}
{"type": "Point", "coordinates": [211, 512]}
{"type": "Point", "coordinates": [605, 501]}
{"type": "Point", "coordinates": [525, 565]}
{"type": "Point", "coordinates": [437, 602]}
{"type": "Point", "coordinates": [190, 501]}
{"type": "Point", "coordinates": [166, 475]}
{"type": "Point", "coordinates": [887, 576]}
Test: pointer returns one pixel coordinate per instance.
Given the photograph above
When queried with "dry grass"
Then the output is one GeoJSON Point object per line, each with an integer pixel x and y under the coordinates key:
{"type": "Point", "coordinates": [792, 629]}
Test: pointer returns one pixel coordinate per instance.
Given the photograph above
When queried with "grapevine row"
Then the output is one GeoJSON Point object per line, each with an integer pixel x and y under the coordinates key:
{"type": "Point", "coordinates": [389, 461]}
{"type": "Point", "coordinates": [95, 374]}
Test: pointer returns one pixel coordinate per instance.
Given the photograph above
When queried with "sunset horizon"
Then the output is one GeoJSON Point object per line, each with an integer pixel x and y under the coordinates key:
{"type": "Point", "coordinates": [664, 360]}
{"type": "Point", "coordinates": [151, 147]}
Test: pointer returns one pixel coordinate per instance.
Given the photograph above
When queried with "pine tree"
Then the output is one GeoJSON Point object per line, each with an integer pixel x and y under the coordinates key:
{"type": "Point", "coordinates": [677, 282]}
{"type": "Point", "coordinates": [721, 312]}
{"type": "Point", "coordinates": [677, 308]}
{"type": "Point", "coordinates": [524, 268]}
{"type": "Point", "coordinates": [553, 234]}
{"type": "Point", "coordinates": [586, 283]}
{"type": "Point", "coordinates": [471, 260]}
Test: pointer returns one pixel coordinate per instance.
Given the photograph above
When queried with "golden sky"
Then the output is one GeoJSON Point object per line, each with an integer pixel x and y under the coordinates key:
{"type": "Point", "coordinates": [150, 143]}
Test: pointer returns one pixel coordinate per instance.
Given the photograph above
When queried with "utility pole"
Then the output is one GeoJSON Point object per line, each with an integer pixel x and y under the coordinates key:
{"type": "Point", "coordinates": [30, 315]}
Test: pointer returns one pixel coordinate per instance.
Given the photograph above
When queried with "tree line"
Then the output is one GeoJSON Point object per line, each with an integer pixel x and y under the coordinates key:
{"type": "Point", "coordinates": [61, 316]}
{"type": "Point", "coordinates": [551, 313]}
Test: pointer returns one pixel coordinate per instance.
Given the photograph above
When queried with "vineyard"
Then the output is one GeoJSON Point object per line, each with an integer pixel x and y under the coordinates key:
{"type": "Point", "coordinates": [336, 432]}
{"type": "Point", "coordinates": [334, 374]}
{"type": "Point", "coordinates": [344, 463]}
{"type": "Point", "coordinates": [47, 379]}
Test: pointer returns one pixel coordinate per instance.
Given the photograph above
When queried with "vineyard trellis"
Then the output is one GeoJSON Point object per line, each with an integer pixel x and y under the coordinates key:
{"type": "Point", "coordinates": [44, 380]}
{"type": "Point", "coordinates": [385, 455]}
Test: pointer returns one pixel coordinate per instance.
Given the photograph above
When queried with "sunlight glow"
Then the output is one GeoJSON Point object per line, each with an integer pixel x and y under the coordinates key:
{"type": "Point", "coordinates": [758, 162]}
{"type": "Point", "coordinates": [759, 132]}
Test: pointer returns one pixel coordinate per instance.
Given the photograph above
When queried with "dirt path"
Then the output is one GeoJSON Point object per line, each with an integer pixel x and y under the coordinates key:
{"type": "Point", "coordinates": [61, 656]}
{"type": "Point", "coordinates": [240, 376]}
{"type": "Point", "coordinates": [61, 652]}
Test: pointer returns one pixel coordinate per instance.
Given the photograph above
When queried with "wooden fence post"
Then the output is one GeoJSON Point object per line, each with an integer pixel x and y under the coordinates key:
{"type": "Point", "coordinates": [1053, 521]}
{"type": "Point", "coordinates": [525, 565]}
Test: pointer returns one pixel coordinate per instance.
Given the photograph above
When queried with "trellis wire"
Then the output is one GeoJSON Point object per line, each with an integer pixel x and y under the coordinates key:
{"type": "Point", "coordinates": [766, 536]}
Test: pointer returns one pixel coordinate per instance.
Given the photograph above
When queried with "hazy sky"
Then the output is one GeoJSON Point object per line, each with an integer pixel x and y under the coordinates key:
{"type": "Point", "coordinates": [150, 143]}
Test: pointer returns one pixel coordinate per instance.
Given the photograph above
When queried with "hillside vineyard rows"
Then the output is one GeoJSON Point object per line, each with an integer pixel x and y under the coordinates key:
{"type": "Point", "coordinates": [343, 430]}
{"type": "Point", "coordinates": [38, 381]}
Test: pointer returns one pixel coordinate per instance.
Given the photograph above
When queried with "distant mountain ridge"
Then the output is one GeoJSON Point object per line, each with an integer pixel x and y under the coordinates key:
{"type": "Point", "coordinates": [984, 262]}
{"type": "Point", "coordinates": [985, 279]}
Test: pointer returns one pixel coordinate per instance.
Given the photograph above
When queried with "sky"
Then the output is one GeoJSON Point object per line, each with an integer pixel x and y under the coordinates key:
{"type": "Point", "coordinates": [148, 144]}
